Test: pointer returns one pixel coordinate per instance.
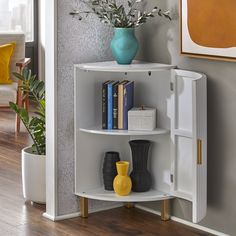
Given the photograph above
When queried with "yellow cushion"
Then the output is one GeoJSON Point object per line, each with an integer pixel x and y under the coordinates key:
{"type": "Point", "coordinates": [6, 52]}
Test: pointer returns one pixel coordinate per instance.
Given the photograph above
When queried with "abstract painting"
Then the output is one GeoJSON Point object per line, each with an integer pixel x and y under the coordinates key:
{"type": "Point", "coordinates": [208, 29]}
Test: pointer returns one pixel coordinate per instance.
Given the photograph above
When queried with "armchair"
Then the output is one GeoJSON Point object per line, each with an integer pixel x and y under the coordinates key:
{"type": "Point", "coordinates": [11, 92]}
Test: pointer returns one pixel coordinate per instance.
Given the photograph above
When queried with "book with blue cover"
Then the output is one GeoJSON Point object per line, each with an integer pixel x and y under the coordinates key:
{"type": "Point", "coordinates": [104, 104]}
{"type": "Point", "coordinates": [110, 88]}
{"type": "Point", "coordinates": [128, 101]}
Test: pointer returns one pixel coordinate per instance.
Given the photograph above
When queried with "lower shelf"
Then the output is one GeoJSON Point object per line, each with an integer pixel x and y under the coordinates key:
{"type": "Point", "coordinates": [101, 194]}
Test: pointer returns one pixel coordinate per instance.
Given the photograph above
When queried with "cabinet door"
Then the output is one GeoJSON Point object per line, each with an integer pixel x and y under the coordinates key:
{"type": "Point", "coordinates": [189, 140]}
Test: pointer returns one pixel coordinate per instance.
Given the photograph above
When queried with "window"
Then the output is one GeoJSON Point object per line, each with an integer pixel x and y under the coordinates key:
{"type": "Point", "coordinates": [17, 15]}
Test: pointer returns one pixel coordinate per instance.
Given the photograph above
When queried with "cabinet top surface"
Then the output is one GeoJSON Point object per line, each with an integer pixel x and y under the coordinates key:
{"type": "Point", "coordinates": [136, 66]}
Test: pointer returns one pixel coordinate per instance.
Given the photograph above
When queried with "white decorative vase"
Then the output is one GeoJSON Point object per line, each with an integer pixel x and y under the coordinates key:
{"type": "Point", "coordinates": [33, 176]}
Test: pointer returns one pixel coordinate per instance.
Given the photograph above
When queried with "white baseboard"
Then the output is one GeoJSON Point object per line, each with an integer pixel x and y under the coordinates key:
{"type": "Point", "coordinates": [185, 222]}
{"type": "Point", "coordinates": [77, 214]}
{"type": "Point", "coordinates": [62, 217]}
{"type": "Point", "coordinates": [46, 215]}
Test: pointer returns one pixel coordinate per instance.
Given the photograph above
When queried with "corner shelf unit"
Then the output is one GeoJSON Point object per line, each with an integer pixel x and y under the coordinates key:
{"type": "Point", "coordinates": [178, 153]}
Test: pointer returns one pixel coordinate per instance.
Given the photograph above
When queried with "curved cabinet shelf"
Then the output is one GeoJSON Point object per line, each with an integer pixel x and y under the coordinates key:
{"type": "Point", "coordinates": [136, 66]}
{"type": "Point", "coordinates": [95, 130]}
{"type": "Point", "coordinates": [101, 194]}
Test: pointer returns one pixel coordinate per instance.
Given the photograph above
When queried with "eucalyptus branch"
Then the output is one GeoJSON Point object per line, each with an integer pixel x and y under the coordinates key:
{"type": "Point", "coordinates": [109, 12]}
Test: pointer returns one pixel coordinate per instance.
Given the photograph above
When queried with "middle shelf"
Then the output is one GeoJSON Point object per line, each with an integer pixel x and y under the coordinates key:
{"type": "Point", "coordinates": [97, 130]}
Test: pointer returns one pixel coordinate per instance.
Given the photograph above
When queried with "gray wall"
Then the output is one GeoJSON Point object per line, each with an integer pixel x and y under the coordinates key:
{"type": "Point", "coordinates": [78, 41]}
{"type": "Point", "coordinates": [88, 41]}
{"type": "Point", "coordinates": [160, 42]}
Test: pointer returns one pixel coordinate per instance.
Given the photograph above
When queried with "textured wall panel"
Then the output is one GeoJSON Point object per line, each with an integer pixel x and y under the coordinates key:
{"type": "Point", "coordinates": [78, 41]}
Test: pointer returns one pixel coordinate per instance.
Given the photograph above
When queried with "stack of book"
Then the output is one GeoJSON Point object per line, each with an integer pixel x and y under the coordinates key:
{"type": "Point", "coordinates": [117, 100]}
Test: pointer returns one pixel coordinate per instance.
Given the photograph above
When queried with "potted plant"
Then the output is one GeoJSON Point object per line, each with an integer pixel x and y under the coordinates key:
{"type": "Point", "coordinates": [34, 157]}
{"type": "Point", "coordinates": [124, 44]}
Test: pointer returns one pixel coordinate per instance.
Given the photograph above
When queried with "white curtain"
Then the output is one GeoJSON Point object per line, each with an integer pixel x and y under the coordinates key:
{"type": "Point", "coordinates": [17, 15]}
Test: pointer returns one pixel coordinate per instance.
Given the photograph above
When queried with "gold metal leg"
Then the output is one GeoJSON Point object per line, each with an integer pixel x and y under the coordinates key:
{"type": "Point", "coordinates": [129, 205]}
{"type": "Point", "coordinates": [83, 207]}
{"type": "Point", "coordinates": [165, 210]}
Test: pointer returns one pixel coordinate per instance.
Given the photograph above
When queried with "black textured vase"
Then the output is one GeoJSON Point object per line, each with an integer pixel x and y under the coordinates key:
{"type": "Point", "coordinates": [109, 169]}
{"type": "Point", "coordinates": [141, 178]}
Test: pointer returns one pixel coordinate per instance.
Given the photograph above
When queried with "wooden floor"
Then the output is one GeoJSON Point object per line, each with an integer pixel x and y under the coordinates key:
{"type": "Point", "coordinates": [20, 218]}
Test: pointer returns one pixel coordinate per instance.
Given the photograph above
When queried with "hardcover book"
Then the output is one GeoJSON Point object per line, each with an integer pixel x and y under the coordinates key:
{"type": "Point", "coordinates": [128, 102]}
{"type": "Point", "coordinates": [115, 106]}
{"type": "Point", "coordinates": [104, 104]}
{"type": "Point", "coordinates": [121, 103]}
{"type": "Point", "coordinates": [110, 104]}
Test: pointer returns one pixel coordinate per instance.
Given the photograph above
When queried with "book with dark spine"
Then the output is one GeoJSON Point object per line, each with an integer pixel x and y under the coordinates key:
{"type": "Point", "coordinates": [128, 102]}
{"type": "Point", "coordinates": [110, 104]}
{"type": "Point", "coordinates": [115, 106]}
{"type": "Point", "coordinates": [104, 104]}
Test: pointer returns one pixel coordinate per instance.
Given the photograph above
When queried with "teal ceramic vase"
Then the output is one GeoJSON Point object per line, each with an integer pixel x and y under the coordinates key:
{"type": "Point", "coordinates": [124, 45]}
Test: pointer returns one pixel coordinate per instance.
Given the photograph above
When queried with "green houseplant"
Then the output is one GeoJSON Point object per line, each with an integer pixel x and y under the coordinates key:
{"type": "Point", "coordinates": [34, 157]}
{"type": "Point", "coordinates": [35, 89]}
{"type": "Point", "coordinates": [124, 19]}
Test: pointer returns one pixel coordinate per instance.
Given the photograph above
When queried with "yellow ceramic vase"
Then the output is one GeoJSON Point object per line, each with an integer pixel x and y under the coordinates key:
{"type": "Point", "coordinates": [122, 183]}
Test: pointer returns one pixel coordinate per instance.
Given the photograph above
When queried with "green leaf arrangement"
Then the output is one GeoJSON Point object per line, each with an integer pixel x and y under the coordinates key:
{"type": "Point", "coordinates": [35, 125]}
{"type": "Point", "coordinates": [111, 13]}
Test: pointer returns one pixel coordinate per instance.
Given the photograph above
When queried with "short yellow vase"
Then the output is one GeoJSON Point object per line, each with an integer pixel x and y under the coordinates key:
{"type": "Point", "coordinates": [122, 183]}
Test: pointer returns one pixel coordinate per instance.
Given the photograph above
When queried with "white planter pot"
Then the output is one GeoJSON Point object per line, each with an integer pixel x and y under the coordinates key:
{"type": "Point", "coordinates": [33, 176]}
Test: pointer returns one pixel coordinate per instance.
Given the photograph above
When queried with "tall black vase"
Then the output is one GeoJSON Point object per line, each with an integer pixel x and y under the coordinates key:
{"type": "Point", "coordinates": [141, 178]}
{"type": "Point", "coordinates": [109, 169]}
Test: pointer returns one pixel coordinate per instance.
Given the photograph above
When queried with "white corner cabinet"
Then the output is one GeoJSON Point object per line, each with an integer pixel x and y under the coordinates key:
{"type": "Point", "coordinates": [177, 160]}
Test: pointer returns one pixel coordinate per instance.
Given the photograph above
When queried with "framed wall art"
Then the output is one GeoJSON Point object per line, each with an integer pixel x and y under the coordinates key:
{"type": "Point", "coordinates": [208, 29]}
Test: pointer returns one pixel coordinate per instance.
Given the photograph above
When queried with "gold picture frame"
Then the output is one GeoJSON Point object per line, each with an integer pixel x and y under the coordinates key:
{"type": "Point", "coordinates": [197, 38]}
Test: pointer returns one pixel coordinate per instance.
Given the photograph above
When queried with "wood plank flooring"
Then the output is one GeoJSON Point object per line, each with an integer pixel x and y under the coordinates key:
{"type": "Point", "coordinates": [24, 219]}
